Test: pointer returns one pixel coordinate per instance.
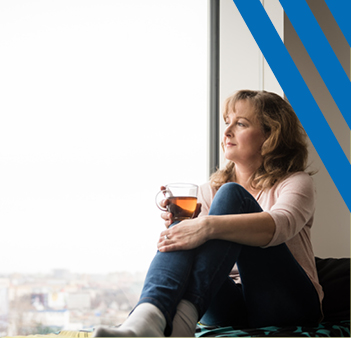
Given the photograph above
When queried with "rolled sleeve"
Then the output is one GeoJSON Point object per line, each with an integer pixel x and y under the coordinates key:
{"type": "Point", "coordinates": [294, 207]}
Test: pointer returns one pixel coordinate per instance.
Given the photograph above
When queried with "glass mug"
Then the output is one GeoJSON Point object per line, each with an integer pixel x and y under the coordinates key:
{"type": "Point", "coordinates": [182, 199]}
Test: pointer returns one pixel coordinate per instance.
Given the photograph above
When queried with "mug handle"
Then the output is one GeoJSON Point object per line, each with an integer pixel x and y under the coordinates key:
{"type": "Point", "coordinates": [157, 196]}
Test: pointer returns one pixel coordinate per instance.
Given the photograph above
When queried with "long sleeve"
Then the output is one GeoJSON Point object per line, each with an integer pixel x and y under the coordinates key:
{"type": "Point", "coordinates": [291, 204]}
{"type": "Point", "coordinates": [205, 196]}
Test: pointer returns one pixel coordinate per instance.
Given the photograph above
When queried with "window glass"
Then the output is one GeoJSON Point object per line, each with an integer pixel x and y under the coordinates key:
{"type": "Point", "coordinates": [102, 102]}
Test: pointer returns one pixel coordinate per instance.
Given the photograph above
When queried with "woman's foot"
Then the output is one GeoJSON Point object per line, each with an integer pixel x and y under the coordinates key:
{"type": "Point", "coordinates": [146, 320]}
{"type": "Point", "coordinates": [185, 320]}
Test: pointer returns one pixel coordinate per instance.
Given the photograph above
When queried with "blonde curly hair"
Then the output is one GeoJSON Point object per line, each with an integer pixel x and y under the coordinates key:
{"type": "Point", "coordinates": [285, 149]}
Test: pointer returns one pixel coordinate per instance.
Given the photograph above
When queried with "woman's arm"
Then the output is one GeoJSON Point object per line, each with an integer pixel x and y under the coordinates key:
{"type": "Point", "coordinates": [256, 229]}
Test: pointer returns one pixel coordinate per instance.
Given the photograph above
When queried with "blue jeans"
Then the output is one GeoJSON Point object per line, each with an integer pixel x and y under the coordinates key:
{"type": "Point", "coordinates": [275, 290]}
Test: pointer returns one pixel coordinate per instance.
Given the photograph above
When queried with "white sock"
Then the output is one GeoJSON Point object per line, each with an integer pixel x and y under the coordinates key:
{"type": "Point", "coordinates": [146, 320]}
{"type": "Point", "coordinates": [185, 320]}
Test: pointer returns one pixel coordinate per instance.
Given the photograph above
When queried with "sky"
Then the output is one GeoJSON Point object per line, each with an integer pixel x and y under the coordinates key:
{"type": "Point", "coordinates": [101, 103]}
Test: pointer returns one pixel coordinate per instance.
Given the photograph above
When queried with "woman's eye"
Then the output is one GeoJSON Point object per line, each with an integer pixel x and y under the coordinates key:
{"type": "Point", "coordinates": [241, 124]}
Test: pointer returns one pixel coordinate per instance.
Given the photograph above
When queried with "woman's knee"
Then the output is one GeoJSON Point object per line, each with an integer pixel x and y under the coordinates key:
{"type": "Point", "coordinates": [232, 198]}
{"type": "Point", "coordinates": [231, 187]}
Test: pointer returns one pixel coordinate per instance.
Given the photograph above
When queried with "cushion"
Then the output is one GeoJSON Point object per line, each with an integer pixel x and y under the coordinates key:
{"type": "Point", "coordinates": [334, 276]}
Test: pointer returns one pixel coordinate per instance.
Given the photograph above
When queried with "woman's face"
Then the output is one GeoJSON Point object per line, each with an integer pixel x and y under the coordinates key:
{"type": "Point", "coordinates": [243, 136]}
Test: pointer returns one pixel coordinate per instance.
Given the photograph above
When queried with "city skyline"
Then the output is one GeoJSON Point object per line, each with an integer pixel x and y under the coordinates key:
{"type": "Point", "coordinates": [40, 304]}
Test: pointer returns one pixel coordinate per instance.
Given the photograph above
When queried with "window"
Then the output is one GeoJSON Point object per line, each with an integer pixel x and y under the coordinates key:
{"type": "Point", "coordinates": [102, 102]}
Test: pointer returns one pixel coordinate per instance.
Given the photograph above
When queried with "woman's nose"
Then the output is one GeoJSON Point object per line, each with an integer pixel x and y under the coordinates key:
{"type": "Point", "coordinates": [228, 130]}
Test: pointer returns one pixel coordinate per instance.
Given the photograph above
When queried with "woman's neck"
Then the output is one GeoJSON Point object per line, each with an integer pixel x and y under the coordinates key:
{"type": "Point", "coordinates": [243, 177]}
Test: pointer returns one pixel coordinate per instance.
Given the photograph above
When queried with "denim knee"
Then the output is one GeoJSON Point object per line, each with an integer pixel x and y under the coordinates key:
{"type": "Point", "coordinates": [232, 198]}
{"type": "Point", "coordinates": [231, 187]}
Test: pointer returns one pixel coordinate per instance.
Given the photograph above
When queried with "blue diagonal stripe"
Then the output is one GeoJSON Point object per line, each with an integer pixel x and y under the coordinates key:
{"type": "Point", "coordinates": [321, 53]}
{"type": "Point", "coordinates": [341, 10]}
{"type": "Point", "coordinates": [299, 95]}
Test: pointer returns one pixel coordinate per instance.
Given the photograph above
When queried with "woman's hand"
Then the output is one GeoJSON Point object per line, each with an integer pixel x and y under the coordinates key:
{"type": "Point", "coordinates": [186, 235]}
{"type": "Point", "coordinates": [168, 216]}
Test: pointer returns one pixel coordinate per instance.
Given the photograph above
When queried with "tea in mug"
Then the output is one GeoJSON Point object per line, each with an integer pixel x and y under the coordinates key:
{"type": "Point", "coordinates": [182, 207]}
{"type": "Point", "coordinates": [182, 199]}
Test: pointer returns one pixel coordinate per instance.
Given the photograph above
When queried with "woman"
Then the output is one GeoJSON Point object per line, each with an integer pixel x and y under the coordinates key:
{"type": "Point", "coordinates": [257, 214]}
